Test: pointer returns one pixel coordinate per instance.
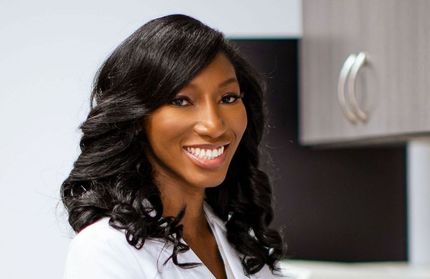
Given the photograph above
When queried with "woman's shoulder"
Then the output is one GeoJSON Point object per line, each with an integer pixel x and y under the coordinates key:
{"type": "Point", "coordinates": [99, 231]}
{"type": "Point", "coordinates": [99, 239]}
{"type": "Point", "coordinates": [102, 236]}
{"type": "Point", "coordinates": [101, 251]}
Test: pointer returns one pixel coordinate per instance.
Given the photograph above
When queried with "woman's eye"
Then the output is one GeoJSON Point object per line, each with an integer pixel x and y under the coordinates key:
{"type": "Point", "coordinates": [180, 101]}
{"type": "Point", "coordinates": [230, 98]}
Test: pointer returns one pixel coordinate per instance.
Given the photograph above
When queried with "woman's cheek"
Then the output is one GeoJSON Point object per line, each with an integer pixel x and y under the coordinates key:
{"type": "Point", "coordinates": [241, 121]}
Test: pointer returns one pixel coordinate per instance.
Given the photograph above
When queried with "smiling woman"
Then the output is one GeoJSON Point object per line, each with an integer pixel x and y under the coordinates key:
{"type": "Point", "coordinates": [193, 141]}
{"type": "Point", "coordinates": [169, 163]}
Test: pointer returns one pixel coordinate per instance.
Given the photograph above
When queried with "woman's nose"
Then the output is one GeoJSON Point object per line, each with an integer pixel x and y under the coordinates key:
{"type": "Point", "coordinates": [210, 122]}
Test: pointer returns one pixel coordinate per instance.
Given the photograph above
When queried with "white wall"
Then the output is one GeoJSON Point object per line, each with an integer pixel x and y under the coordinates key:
{"type": "Point", "coordinates": [49, 53]}
{"type": "Point", "coordinates": [418, 201]}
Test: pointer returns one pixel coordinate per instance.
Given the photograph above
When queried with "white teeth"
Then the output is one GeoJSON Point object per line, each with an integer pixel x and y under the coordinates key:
{"type": "Point", "coordinates": [202, 153]}
{"type": "Point", "coordinates": [207, 154]}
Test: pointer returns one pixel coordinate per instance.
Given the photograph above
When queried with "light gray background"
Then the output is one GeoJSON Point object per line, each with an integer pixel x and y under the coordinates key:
{"type": "Point", "coordinates": [49, 53]}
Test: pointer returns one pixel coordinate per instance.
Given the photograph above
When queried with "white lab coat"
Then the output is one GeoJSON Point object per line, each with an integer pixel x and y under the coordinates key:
{"type": "Point", "coordinates": [102, 252]}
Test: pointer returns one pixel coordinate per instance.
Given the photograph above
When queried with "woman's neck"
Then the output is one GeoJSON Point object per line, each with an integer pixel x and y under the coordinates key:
{"type": "Point", "coordinates": [175, 197]}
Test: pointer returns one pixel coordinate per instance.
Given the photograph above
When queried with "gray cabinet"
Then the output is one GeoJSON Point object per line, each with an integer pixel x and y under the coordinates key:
{"type": "Point", "coordinates": [392, 87]}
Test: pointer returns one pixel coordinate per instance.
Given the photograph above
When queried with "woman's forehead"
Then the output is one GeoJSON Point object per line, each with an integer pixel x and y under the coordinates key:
{"type": "Point", "coordinates": [220, 72]}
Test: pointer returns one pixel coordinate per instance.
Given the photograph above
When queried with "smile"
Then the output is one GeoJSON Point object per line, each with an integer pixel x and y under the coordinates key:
{"type": "Point", "coordinates": [207, 157]}
{"type": "Point", "coordinates": [207, 154]}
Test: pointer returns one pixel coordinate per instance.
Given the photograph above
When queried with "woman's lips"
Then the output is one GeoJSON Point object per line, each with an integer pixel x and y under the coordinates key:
{"type": "Point", "coordinates": [208, 163]}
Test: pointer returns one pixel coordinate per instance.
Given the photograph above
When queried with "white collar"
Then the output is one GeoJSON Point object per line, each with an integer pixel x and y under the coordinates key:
{"type": "Point", "coordinates": [212, 217]}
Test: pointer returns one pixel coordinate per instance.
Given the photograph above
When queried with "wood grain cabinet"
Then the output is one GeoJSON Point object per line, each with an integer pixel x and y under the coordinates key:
{"type": "Point", "coordinates": [364, 71]}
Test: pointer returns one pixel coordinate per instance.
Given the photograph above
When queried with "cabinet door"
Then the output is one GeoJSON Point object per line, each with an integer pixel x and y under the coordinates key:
{"type": "Point", "coordinates": [392, 87]}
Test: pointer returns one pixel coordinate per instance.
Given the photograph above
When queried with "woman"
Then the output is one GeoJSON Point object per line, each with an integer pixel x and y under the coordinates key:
{"type": "Point", "coordinates": [167, 184]}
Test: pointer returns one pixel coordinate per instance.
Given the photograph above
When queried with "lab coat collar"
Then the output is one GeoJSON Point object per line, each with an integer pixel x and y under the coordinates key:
{"type": "Point", "coordinates": [212, 217]}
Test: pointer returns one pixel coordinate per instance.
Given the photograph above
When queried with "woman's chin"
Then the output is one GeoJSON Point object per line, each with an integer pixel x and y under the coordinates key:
{"type": "Point", "coordinates": [209, 183]}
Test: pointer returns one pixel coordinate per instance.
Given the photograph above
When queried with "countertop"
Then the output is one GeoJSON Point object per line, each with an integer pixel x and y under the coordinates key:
{"type": "Point", "coordinates": [333, 270]}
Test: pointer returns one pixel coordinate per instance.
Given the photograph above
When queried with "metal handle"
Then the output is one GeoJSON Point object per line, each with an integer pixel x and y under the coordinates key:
{"type": "Point", "coordinates": [343, 76]}
{"type": "Point", "coordinates": [360, 60]}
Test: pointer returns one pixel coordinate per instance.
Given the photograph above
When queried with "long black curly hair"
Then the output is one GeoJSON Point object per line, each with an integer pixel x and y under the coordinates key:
{"type": "Point", "coordinates": [113, 178]}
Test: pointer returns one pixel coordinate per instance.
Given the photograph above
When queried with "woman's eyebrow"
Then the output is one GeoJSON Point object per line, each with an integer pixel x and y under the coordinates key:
{"type": "Point", "coordinates": [227, 81]}
{"type": "Point", "coordinates": [221, 84]}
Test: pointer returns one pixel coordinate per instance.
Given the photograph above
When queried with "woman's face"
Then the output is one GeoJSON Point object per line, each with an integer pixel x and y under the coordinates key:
{"type": "Point", "coordinates": [194, 138]}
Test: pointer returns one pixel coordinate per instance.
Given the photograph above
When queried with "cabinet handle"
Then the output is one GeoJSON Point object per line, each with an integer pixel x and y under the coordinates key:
{"type": "Point", "coordinates": [360, 60]}
{"type": "Point", "coordinates": [343, 76]}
